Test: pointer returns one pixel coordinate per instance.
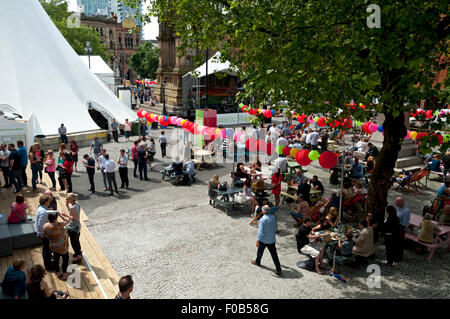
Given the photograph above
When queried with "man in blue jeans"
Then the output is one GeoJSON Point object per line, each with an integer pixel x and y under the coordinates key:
{"type": "Point", "coordinates": [23, 154]}
{"type": "Point", "coordinates": [15, 168]}
{"type": "Point", "coordinates": [266, 238]}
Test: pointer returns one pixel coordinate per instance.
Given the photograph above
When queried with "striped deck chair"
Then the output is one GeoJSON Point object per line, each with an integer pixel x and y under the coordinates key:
{"type": "Point", "coordinates": [417, 180]}
{"type": "Point", "coordinates": [314, 212]}
{"type": "Point", "coordinates": [405, 185]}
{"type": "Point", "coordinates": [340, 137]}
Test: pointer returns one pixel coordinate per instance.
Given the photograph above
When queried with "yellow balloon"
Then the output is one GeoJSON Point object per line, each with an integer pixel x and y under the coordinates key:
{"type": "Point", "coordinates": [413, 134]}
{"type": "Point", "coordinates": [294, 152]}
{"type": "Point", "coordinates": [218, 131]}
{"type": "Point", "coordinates": [182, 122]}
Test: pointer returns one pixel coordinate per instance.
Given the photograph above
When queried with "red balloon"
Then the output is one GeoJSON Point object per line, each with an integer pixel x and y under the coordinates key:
{"type": "Point", "coordinates": [163, 123]}
{"type": "Point", "coordinates": [302, 158]}
{"type": "Point", "coordinates": [268, 113]}
{"type": "Point", "coordinates": [251, 144]}
{"type": "Point", "coordinates": [429, 114]}
{"type": "Point", "coordinates": [301, 118]}
{"type": "Point", "coordinates": [252, 111]}
{"type": "Point", "coordinates": [365, 127]}
{"type": "Point", "coordinates": [147, 116]}
{"type": "Point", "coordinates": [321, 122]}
{"type": "Point", "coordinates": [139, 113]}
{"type": "Point", "coordinates": [328, 159]}
{"type": "Point", "coordinates": [286, 150]}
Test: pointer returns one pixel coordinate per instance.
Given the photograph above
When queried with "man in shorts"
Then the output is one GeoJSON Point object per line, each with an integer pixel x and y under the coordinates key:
{"type": "Point", "coordinates": [304, 246]}
{"type": "Point", "coordinates": [97, 147]}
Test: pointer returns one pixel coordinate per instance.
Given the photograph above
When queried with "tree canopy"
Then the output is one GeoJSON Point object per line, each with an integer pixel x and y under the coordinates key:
{"type": "Point", "coordinates": [145, 60]}
{"type": "Point", "coordinates": [319, 55]}
{"type": "Point", "coordinates": [59, 13]}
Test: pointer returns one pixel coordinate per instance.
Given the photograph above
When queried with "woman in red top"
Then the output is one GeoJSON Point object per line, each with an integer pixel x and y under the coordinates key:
{"type": "Point", "coordinates": [277, 178]}
{"type": "Point", "coordinates": [68, 170]}
{"type": "Point", "coordinates": [74, 148]}
{"type": "Point", "coordinates": [18, 211]}
{"type": "Point", "coordinates": [134, 156]}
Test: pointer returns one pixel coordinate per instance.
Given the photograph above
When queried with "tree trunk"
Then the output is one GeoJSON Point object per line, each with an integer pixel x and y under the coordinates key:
{"type": "Point", "coordinates": [380, 182]}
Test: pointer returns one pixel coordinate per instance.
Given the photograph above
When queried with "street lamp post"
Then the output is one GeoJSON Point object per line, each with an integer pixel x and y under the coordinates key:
{"type": "Point", "coordinates": [88, 50]}
{"type": "Point", "coordinates": [163, 83]}
{"type": "Point", "coordinates": [206, 79]}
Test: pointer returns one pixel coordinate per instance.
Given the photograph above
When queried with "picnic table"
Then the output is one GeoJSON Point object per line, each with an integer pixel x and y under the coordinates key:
{"type": "Point", "coordinates": [202, 153]}
{"type": "Point", "coordinates": [293, 165]}
{"type": "Point", "coordinates": [226, 198]}
{"type": "Point", "coordinates": [441, 240]}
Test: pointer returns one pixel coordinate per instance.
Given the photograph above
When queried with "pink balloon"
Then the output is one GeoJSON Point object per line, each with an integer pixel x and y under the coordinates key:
{"type": "Point", "coordinates": [311, 119]}
{"type": "Point", "coordinates": [203, 131]}
{"type": "Point", "coordinates": [237, 136]}
{"type": "Point", "coordinates": [174, 120]}
{"type": "Point", "coordinates": [407, 135]}
{"type": "Point", "coordinates": [373, 127]}
{"type": "Point", "coordinates": [223, 133]}
{"type": "Point", "coordinates": [179, 121]}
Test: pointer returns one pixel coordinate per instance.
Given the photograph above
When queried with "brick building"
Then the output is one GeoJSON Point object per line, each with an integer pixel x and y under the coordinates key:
{"type": "Point", "coordinates": [121, 44]}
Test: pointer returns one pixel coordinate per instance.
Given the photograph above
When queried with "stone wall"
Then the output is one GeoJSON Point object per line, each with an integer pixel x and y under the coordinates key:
{"type": "Point", "coordinates": [83, 139]}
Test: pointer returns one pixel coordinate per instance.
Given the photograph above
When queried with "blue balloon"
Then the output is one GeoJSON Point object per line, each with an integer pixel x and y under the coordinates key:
{"type": "Point", "coordinates": [380, 128]}
{"type": "Point", "coordinates": [229, 132]}
{"type": "Point", "coordinates": [166, 118]}
{"type": "Point", "coordinates": [273, 112]}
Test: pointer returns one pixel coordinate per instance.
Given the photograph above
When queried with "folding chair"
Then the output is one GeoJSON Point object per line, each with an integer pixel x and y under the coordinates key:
{"type": "Point", "coordinates": [340, 137]}
{"type": "Point", "coordinates": [405, 184]}
{"type": "Point", "coordinates": [420, 175]}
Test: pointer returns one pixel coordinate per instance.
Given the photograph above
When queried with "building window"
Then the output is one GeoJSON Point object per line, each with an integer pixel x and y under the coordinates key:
{"type": "Point", "coordinates": [111, 45]}
{"type": "Point", "coordinates": [110, 33]}
{"type": "Point", "coordinates": [101, 32]}
{"type": "Point", "coordinates": [137, 42]}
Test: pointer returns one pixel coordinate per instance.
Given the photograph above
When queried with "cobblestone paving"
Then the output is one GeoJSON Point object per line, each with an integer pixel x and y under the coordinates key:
{"type": "Point", "coordinates": [175, 245]}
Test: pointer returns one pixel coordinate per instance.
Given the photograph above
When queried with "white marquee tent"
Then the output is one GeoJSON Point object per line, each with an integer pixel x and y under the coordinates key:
{"type": "Point", "coordinates": [40, 73]}
{"type": "Point", "coordinates": [100, 69]}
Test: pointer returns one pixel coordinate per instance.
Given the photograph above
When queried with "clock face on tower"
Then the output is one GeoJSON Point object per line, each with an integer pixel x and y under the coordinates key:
{"type": "Point", "coordinates": [128, 23]}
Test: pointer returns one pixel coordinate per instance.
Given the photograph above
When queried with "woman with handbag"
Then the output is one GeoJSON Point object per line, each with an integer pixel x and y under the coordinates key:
{"type": "Point", "coordinates": [74, 148]}
{"type": "Point", "coordinates": [50, 168]}
{"type": "Point", "coordinates": [74, 226]}
{"type": "Point", "coordinates": [18, 211]}
{"type": "Point", "coordinates": [40, 156]}
{"type": "Point", "coordinates": [35, 166]}
{"type": "Point", "coordinates": [58, 242]}
{"type": "Point", "coordinates": [59, 164]}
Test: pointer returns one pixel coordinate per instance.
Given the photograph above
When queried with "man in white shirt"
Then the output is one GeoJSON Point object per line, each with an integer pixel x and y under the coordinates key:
{"type": "Point", "coordinates": [308, 139]}
{"type": "Point", "coordinates": [101, 167]}
{"type": "Point", "coordinates": [282, 141]}
{"type": "Point", "coordinates": [262, 132]}
{"type": "Point", "coordinates": [280, 163]}
{"type": "Point", "coordinates": [163, 143]}
{"type": "Point", "coordinates": [4, 158]}
{"type": "Point", "coordinates": [314, 137]}
{"type": "Point", "coordinates": [274, 133]}
{"type": "Point", "coordinates": [255, 132]}
{"type": "Point", "coordinates": [127, 129]}
{"type": "Point", "coordinates": [110, 174]}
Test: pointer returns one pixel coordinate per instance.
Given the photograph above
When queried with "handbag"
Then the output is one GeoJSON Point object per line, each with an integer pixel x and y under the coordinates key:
{"type": "Point", "coordinates": [223, 187]}
{"type": "Point", "coordinates": [239, 183]}
{"type": "Point", "coordinates": [240, 198]}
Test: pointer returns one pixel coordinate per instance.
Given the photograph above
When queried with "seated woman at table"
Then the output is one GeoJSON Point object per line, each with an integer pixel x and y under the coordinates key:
{"type": "Point", "coordinates": [249, 195]}
{"type": "Point", "coordinates": [256, 164]}
{"type": "Point", "coordinates": [240, 172]}
{"type": "Point", "coordinates": [333, 216]}
{"type": "Point", "coordinates": [364, 245]}
{"type": "Point", "coordinates": [213, 184]}
{"type": "Point", "coordinates": [277, 178]}
{"type": "Point", "coordinates": [428, 230]}
{"type": "Point", "coordinates": [324, 224]}
{"type": "Point", "coordinates": [444, 216]}
{"type": "Point", "coordinates": [18, 211]}
{"type": "Point", "coordinates": [300, 211]}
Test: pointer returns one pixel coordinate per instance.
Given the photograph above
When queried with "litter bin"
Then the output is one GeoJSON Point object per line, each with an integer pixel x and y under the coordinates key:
{"type": "Point", "coordinates": [135, 128]}
{"type": "Point", "coordinates": [108, 137]}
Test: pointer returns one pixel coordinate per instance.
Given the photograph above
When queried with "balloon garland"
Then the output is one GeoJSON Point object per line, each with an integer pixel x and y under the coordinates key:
{"type": "Point", "coordinates": [303, 157]}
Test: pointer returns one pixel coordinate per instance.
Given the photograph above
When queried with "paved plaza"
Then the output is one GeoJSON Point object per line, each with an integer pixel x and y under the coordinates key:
{"type": "Point", "coordinates": [175, 245]}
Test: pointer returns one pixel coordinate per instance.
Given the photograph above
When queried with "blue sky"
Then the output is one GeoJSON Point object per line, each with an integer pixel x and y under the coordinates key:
{"type": "Point", "coordinates": [150, 30]}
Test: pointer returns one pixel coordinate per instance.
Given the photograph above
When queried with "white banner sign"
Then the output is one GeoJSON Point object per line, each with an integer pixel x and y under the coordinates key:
{"type": "Point", "coordinates": [232, 118]}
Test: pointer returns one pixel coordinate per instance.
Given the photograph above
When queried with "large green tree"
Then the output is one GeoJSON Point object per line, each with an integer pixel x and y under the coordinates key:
{"type": "Point", "coordinates": [318, 55]}
{"type": "Point", "coordinates": [76, 36]}
{"type": "Point", "coordinates": [145, 60]}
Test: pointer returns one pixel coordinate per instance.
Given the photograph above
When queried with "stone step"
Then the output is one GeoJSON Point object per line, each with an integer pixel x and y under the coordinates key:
{"type": "Point", "coordinates": [408, 161]}
{"type": "Point", "coordinates": [409, 168]}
